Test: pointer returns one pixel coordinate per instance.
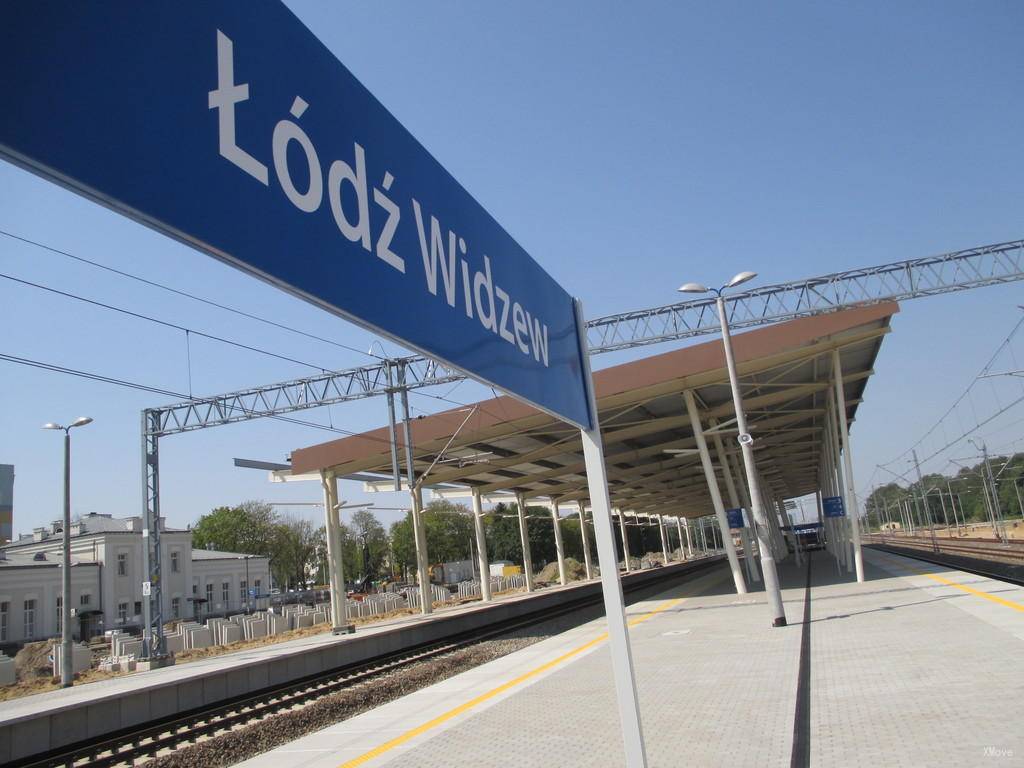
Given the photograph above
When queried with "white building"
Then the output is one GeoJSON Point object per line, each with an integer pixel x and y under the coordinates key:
{"type": "Point", "coordinates": [107, 576]}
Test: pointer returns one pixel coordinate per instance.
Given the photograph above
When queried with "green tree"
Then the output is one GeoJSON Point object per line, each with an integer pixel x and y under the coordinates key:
{"type": "Point", "coordinates": [366, 545]}
{"type": "Point", "coordinates": [504, 542]}
{"type": "Point", "coordinates": [247, 528]}
{"type": "Point", "coordinates": [298, 549]}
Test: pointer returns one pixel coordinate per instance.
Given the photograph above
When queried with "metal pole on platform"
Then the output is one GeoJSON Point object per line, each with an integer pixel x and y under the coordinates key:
{"type": "Point", "coordinates": [716, 497]}
{"type": "Point", "coordinates": [559, 547]}
{"type": "Point", "coordinates": [585, 536]}
{"type": "Point", "coordinates": [611, 586]}
{"type": "Point", "coordinates": [682, 544]}
{"type": "Point", "coordinates": [524, 538]}
{"type": "Point", "coordinates": [771, 577]}
{"type": "Point", "coordinates": [418, 531]}
{"type": "Point", "coordinates": [336, 570]}
{"type": "Point", "coordinates": [625, 541]}
{"type": "Point", "coordinates": [67, 669]}
{"type": "Point", "coordinates": [481, 547]}
{"type": "Point", "coordinates": [734, 502]}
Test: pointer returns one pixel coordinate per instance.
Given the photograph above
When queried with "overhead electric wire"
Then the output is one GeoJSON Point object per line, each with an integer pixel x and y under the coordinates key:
{"type": "Point", "coordinates": [54, 368]}
{"type": "Point", "coordinates": [187, 295]}
{"type": "Point", "coordinates": [960, 399]}
{"type": "Point", "coordinates": [164, 323]}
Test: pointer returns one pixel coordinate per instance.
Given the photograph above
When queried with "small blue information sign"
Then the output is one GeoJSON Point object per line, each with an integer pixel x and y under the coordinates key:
{"type": "Point", "coordinates": [735, 518]}
{"type": "Point", "coordinates": [230, 127]}
{"type": "Point", "coordinates": [833, 506]}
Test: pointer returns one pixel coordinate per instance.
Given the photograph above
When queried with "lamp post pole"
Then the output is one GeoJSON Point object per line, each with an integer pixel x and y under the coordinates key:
{"type": "Point", "coordinates": [771, 577]}
{"type": "Point", "coordinates": [67, 672]}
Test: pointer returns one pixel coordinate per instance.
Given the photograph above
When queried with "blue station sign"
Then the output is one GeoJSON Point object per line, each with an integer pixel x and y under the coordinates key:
{"type": "Point", "coordinates": [232, 128]}
{"type": "Point", "coordinates": [735, 518]}
{"type": "Point", "coordinates": [833, 506]}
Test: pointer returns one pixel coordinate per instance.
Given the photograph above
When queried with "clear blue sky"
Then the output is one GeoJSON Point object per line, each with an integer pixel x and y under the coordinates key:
{"type": "Point", "coordinates": [627, 148]}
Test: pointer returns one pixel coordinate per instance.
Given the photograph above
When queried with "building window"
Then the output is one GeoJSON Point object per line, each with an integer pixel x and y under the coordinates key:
{"type": "Point", "coordinates": [225, 593]}
{"type": "Point", "coordinates": [122, 564]}
{"type": "Point", "coordinates": [138, 607]}
{"type": "Point", "coordinates": [174, 563]}
{"type": "Point", "coordinates": [84, 599]}
{"type": "Point", "coordinates": [175, 607]}
{"type": "Point", "coordinates": [243, 588]}
{"type": "Point", "coordinates": [5, 612]}
{"type": "Point", "coordinates": [122, 613]}
{"type": "Point", "coordinates": [256, 585]}
{"type": "Point", "coordinates": [30, 619]}
{"type": "Point", "coordinates": [195, 588]}
{"type": "Point", "coordinates": [209, 596]}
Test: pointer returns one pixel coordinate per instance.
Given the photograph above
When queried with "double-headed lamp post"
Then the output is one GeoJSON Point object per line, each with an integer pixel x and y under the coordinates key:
{"type": "Point", "coordinates": [67, 674]}
{"type": "Point", "coordinates": [771, 578]}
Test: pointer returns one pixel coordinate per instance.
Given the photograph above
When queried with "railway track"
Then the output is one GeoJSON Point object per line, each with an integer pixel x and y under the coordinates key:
{"type": "Point", "coordinates": [165, 736]}
{"type": "Point", "coordinates": [989, 549]}
{"type": "Point", "coordinates": [973, 557]}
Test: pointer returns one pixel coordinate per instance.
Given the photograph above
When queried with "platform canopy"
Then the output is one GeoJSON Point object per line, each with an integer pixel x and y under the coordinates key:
{"type": "Point", "coordinates": [785, 373]}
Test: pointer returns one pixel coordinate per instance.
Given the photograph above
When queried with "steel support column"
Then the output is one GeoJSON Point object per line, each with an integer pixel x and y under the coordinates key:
{"type": "Point", "coordinates": [524, 538]}
{"type": "Point", "coordinates": [716, 497]}
{"type": "Point", "coordinates": [734, 502]}
{"type": "Point", "coordinates": [335, 553]}
{"type": "Point", "coordinates": [559, 547]}
{"type": "Point", "coordinates": [851, 505]}
{"type": "Point", "coordinates": [481, 547]}
{"type": "Point", "coordinates": [625, 540]}
{"type": "Point", "coordinates": [585, 536]}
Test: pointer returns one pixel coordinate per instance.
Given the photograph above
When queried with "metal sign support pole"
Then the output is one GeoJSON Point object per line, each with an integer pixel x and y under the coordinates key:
{"type": "Point", "coordinates": [611, 586]}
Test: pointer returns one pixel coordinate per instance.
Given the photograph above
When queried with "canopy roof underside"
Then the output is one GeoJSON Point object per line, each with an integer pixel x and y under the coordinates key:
{"type": "Point", "coordinates": [785, 375]}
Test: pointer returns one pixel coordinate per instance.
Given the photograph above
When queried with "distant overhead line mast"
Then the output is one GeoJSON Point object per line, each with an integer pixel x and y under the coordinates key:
{"type": "Point", "coordinates": [956, 271]}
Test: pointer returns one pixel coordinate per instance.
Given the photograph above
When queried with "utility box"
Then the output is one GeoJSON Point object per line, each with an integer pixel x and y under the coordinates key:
{"type": "Point", "coordinates": [505, 568]}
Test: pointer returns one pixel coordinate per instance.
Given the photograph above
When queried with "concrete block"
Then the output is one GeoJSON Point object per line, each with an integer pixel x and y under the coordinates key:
{"type": "Point", "coordinates": [303, 621]}
{"type": "Point", "coordinates": [257, 628]}
{"type": "Point", "coordinates": [175, 643]}
{"type": "Point", "coordinates": [7, 676]}
{"type": "Point", "coordinates": [230, 633]}
{"type": "Point", "coordinates": [126, 647]}
{"type": "Point", "coordinates": [81, 658]}
{"type": "Point", "coordinates": [199, 638]}
{"type": "Point", "coordinates": [319, 617]}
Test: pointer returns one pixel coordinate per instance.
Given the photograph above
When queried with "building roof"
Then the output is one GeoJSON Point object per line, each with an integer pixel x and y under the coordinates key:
{"type": "Point", "coordinates": [92, 524]}
{"type": "Point", "coordinates": [216, 554]}
{"type": "Point", "coordinates": [785, 377]}
{"type": "Point", "coordinates": [36, 560]}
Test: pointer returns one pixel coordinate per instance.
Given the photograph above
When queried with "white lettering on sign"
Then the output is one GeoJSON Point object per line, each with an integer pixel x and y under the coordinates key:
{"type": "Point", "coordinates": [445, 255]}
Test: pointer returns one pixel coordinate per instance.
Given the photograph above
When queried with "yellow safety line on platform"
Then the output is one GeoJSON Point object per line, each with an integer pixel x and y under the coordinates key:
{"type": "Point", "coordinates": [962, 587]}
{"type": "Point", "coordinates": [451, 713]}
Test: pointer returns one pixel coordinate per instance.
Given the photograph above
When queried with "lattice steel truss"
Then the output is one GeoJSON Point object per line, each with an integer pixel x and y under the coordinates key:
{"type": "Point", "coordinates": [957, 271]}
{"type": "Point", "coordinates": [299, 394]}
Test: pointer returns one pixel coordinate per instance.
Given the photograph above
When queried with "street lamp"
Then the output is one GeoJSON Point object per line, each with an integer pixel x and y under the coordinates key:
{"type": "Point", "coordinates": [771, 578]}
{"type": "Point", "coordinates": [67, 670]}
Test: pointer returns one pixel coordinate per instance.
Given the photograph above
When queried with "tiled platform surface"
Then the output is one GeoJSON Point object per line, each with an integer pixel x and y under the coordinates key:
{"type": "Point", "coordinates": [905, 670]}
